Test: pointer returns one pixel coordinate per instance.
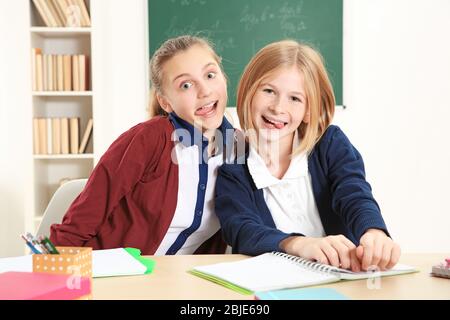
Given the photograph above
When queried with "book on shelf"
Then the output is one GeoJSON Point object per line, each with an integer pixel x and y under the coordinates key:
{"type": "Point", "coordinates": [55, 72]}
{"type": "Point", "coordinates": [49, 135]}
{"type": "Point", "coordinates": [59, 12]}
{"type": "Point", "coordinates": [75, 73]}
{"type": "Point", "coordinates": [54, 13]}
{"type": "Point", "coordinates": [56, 135]}
{"type": "Point", "coordinates": [74, 135]}
{"type": "Point", "coordinates": [50, 13]}
{"type": "Point", "coordinates": [86, 136]}
{"type": "Point", "coordinates": [67, 61]}
{"type": "Point", "coordinates": [39, 72]}
{"type": "Point", "coordinates": [50, 72]}
{"type": "Point", "coordinates": [65, 135]}
{"type": "Point", "coordinates": [36, 148]}
{"type": "Point", "coordinates": [42, 123]}
{"type": "Point", "coordinates": [63, 13]}
{"type": "Point", "coordinates": [45, 72]}
{"type": "Point", "coordinates": [34, 68]}
{"type": "Point", "coordinates": [85, 18]}
{"type": "Point", "coordinates": [276, 270]}
{"type": "Point", "coordinates": [60, 72]}
{"type": "Point", "coordinates": [42, 13]}
{"type": "Point", "coordinates": [82, 72]}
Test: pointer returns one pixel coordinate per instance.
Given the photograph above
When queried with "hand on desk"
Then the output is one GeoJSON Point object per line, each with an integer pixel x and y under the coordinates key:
{"type": "Point", "coordinates": [377, 249]}
{"type": "Point", "coordinates": [337, 251]}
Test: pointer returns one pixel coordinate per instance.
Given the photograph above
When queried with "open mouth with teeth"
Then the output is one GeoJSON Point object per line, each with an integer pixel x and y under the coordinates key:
{"type": "Point", "coordinates": [207, 110]}
{"type": "Point", "coordinates": [274, 124]}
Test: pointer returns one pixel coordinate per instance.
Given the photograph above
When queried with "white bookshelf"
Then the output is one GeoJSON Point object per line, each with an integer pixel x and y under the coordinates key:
{"type": "Point", "coordinates": [50, 170]}
{"type": "Point", "coordinates": [118, 43]}
{"type": "Point", "coordinates": [62, 93]}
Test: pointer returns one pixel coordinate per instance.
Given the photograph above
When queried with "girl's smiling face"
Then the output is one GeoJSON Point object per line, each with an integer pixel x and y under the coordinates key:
{"type": "Point", "coordinates": [194, 87]}
{"type": "Point", "coordinates": [279, 105]}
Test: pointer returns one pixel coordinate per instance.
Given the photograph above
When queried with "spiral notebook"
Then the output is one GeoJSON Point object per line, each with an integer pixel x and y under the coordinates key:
{"type": "Point", "coordinates": [276, 270]}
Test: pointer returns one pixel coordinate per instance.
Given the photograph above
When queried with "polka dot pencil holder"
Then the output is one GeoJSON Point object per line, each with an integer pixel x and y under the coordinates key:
{"type": "Point", "coordinates": [70, 260]}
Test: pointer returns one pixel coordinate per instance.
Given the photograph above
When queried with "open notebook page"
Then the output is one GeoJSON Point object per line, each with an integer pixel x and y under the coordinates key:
{"type": "Point", "coordinates": [266, 272]}
{"type": "Point", "coordinates": [397, 269]}
{"type": "Point", "coordinates": [115, 262]}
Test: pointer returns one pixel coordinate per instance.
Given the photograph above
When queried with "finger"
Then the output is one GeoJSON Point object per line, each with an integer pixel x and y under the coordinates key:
{"type": "Point", "coordinates": [348, 243]}
{"type": "Point", "coordinates": [343, 253]}
{"type": "Point", "coordinates": [385, 256]}
{"type": "Point", "coordinates": [354, 261]}
{"type": "Point", "coordinates": [330, 252]}
{"type": "Point", "coordinates": [360, 252]}
{"type": "Point", "coordinates": [377, 253]}
{"type": "Point", "coordinates": [395, 256]}
{"type": "Point", "coordinates": [320, 257]}
{"type": "Point", "coordinates": [368, 253]}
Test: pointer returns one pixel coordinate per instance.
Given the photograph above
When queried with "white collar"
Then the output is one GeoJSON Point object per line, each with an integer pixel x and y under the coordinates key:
{"type": "Point", "coordinates": [261, 175]}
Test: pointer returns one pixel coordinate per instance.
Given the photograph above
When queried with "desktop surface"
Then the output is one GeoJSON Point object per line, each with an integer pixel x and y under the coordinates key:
{"type": "Point", "coordinates": [171, 281]}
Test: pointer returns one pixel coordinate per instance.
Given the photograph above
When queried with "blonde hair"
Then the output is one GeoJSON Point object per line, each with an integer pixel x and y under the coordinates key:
{"type": "Point", "coordinates": [165, 52]}
{"type": "Point", "coordinates": [320, 101]}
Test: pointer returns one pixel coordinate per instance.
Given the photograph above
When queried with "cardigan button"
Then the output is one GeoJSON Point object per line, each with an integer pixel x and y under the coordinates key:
{"type": "Point", "coordinates": [198, 212]}
{"type": "Point", "coordinates": [202, 187]}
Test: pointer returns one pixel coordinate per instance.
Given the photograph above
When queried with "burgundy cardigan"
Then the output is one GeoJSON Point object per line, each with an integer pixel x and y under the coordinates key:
{"type": "Point", "coordinates": [130, 197]}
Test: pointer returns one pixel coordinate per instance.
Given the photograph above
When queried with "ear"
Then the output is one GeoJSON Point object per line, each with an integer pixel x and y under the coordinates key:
{"type": "Point", "coordinates": [164, 103]}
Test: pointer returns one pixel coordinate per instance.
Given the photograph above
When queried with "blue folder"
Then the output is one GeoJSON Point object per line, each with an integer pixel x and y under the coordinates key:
{"type": "Point", "coordinates": [301, 294]}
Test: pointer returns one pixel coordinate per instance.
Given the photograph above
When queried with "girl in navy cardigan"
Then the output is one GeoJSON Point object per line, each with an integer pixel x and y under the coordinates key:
{"type": "Point", "coordinates": [301, 187]}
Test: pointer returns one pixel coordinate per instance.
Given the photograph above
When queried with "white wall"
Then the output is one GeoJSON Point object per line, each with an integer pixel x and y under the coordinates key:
{"type": "Point", "coordinates": [15, 124]}
{"type": "Point", "coordinates": [120, 51]}
{"type": "Point", "coordinates": [396, 87]}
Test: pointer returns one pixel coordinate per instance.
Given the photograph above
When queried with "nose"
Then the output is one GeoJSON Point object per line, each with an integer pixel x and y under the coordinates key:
{"type": "Point", "coordinates": [203, 89]}
{"type": "Point", "coordinates": [276, 106]}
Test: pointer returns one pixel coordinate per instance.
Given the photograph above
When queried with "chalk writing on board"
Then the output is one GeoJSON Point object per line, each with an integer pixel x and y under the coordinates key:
{"type": "Point", "coordinates": [288, 18]}
{"type": "Point", "coordinates": [291, 21]}
{"type": "Point", "coordinates": [250, 19]}
{"type": "Point", "coordinates": [223, 39]}
{"type": "Point", "coordinates": [189, 2]}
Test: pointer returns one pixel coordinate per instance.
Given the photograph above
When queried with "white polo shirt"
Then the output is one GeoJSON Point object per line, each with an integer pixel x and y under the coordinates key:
{"type": "Point", "coordinates": [290, 199]}
{"type": "Point", "coordinates": [185, 212]}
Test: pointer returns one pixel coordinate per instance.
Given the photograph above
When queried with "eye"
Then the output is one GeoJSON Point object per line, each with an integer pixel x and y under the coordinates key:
{"type": "Point", "coordinates": [211, 75]}
{"type": "Point", "coordinates": [296, 99]}
{"type": "Point", "coordinates": [269, 91]}
{"type": "Point", "coordinates": [186, 85]}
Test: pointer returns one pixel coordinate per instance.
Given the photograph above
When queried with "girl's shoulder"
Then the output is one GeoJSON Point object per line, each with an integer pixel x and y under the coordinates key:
{"type": "Point", "coordinates": [149, 134]}
{"type": "Point", "coordinates": [157, 127]}
{"type": "Point", "coordinates": [237, 170]}
{"type": "Point", "coordinates": [332, 137]}
{"type": "Point", "coordinates": [156, 124]}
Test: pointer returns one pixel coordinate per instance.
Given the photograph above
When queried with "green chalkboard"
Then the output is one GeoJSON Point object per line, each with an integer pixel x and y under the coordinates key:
{"type": "Point", "coordinates": [239, 28]}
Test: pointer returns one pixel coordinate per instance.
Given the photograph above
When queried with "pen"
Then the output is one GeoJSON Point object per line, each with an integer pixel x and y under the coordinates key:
{"type": "Point", "coordinates": [36, 243]}
{"type": "Point", "coordinates": [31, 246]}
{"type": "Point", "coordinates": [47, 244]}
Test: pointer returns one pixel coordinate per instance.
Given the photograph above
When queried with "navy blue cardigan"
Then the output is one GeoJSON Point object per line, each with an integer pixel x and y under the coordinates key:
{"type": "Point", "coordinates": [342, 194]}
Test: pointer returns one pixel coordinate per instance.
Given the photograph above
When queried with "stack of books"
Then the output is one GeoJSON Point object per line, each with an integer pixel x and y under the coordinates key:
{"type": "Point", "coordinates": [59, 136]}
{"type": "Point", "coordinates": [57, 72]}
{"type": "Point", "coordinates": [63, 13]}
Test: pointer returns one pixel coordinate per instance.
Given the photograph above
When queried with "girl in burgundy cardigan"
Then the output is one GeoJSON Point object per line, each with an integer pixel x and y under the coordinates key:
{"type": "Point", "coordinates": [153, 188]}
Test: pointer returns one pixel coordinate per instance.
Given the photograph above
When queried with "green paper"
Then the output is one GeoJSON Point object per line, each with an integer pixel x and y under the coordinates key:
{"type": "Point", "coordinates": [148, 263]}
{"type": "Point", "coordinates": [222, 282]}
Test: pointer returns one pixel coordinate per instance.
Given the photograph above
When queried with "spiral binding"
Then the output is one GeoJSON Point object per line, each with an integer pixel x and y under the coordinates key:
{"type": "Point", "coordinates": [311, 265]}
